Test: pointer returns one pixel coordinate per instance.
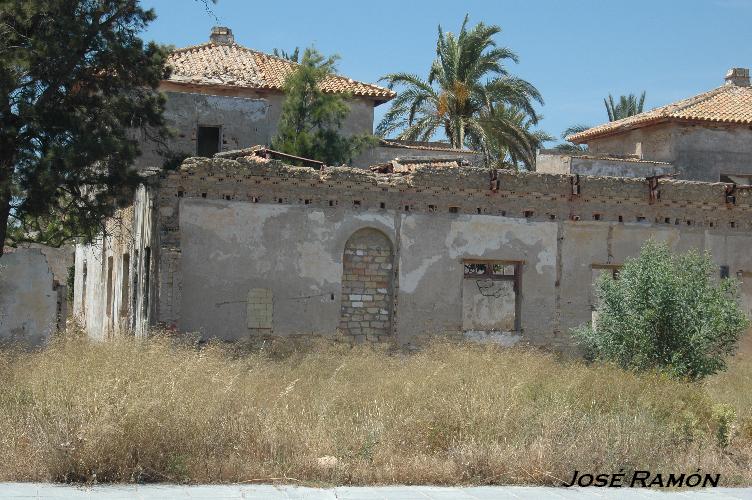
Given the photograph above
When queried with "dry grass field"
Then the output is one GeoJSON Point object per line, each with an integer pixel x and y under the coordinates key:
{"type": "Point", "coordinates": [132, 410]}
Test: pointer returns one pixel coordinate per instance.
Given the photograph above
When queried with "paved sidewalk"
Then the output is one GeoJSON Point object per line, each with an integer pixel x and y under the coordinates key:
{"type": "Point", "coordinates": [270, 492]}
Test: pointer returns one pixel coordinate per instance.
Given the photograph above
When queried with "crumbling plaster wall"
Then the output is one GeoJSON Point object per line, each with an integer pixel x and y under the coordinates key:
{"type": "Point", "coordinates": [555, 162]}
{"type": "Point", "coordinates": [698, 152]}
{"type": "Point", "coordinates": [246, 118]}
{"type": "Point", "coordinates": [110, 302]}
{"type": "Point", "coordinates": [232, 233]}
{"type": "Point", "coordinates": [32, 293]}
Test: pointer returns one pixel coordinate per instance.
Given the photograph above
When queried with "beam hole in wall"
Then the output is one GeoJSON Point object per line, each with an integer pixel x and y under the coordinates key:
{"type": "Point", "coordinates": [641, 218]}
{"type": "Point", "coordinates": [529, 213]}
{"type": "Point", "coordinates": [667, 220]}
{"type": "Point", "coordinates": [356, 203]}
{"type": "Point", "coordinates": [382, 205]}
{"type": "Point", "coordinates": [431, 208]}
{"type": "Point", "coordinates": [307, 202]}
{"type": "Point", "coordinates": [621, 219]}
{"type": "Point", "coordinates": [552, 216]}
{"type": "Point", "coordinates": [180, 193]}
{"type": "Point", "coordinates": [203, 195]}
{"type": "Point", "coordinates": [454, 210]}
{"type": "Point", "coordinates": [367, 270]}
{"type": "Point", "coordinates": [596, 216]}
{"type": "Point", "coordinates": [732, 224]}
{"type": "Point", "coordinates": [407, 208]}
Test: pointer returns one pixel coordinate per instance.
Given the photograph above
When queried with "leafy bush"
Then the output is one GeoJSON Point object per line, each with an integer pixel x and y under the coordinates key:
{"type": "Point", "coordinates": [666, 312]}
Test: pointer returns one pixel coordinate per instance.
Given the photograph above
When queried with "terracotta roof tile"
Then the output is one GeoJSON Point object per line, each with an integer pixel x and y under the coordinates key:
{"type": "Point", "coordinates": [726, 104]}
{"type": "Point", "coordinates": [237, 66]}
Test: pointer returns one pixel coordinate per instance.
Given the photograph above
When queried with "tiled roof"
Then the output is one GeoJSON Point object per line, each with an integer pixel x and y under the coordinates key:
{"type": "Point", "coordinates": [727, 104]}
{"type": "Point", "coordinates": [237, 66]}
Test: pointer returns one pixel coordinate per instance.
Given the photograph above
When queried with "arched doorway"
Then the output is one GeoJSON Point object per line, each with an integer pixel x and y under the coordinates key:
{"type": "Point", "coordinates": [367, 271]}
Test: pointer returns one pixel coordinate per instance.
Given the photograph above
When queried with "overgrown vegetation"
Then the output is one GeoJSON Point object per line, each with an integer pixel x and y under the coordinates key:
{"type": "Point", "coordinates": [131, 410]}
{"type": "Point", "coordinates": [311, 118]}
{"type": "Point", "coordinates": [666, 311]}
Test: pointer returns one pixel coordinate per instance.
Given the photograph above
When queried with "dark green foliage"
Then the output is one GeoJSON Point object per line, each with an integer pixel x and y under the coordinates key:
{"type": "Point", "coordinates": [470, 97]}
{"type": "Point", "coordinates": [293, 56]}
{"type": "Point", "coordinates": [628, 105]}
{"type": "Point", "coordinates": [77, 85]}
{"type": "Point", "coordinates": [667, 312]}
{"type": "Point", "coordinates": [311, 118]}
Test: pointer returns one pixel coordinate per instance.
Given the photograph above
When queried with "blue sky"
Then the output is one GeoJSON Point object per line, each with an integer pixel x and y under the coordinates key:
{"type": "Point", "coordinates": [575, 52]}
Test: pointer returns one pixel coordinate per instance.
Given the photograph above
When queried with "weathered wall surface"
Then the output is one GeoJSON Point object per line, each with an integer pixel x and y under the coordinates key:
{"type": "Point", "coordinates": [246, 118]}
{"type": "Point", "coordinates": [554, 162]}
{"type": "Point", "coordinates": [32, 298]}
{"type": "Point", "coordinates": [247, 248]}
{"type": "Point", "coordinates": [656, 142]}
{"type": "Point", "coordinates": [699, 152]}
{"type": "Point", "coordinates": [704, 153]}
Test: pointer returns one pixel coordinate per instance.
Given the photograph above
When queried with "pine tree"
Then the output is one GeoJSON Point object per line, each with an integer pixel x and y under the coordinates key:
{"type": "Point", "coordinates": [311, 118]}
{"type": "Point", "coordinates": [76, 82]}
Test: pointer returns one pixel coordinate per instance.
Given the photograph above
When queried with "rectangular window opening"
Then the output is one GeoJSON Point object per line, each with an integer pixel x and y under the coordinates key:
{"type": "Point", "coordinates": [496, 284]}
{"type": "Point", "coordinates": [207, 141]}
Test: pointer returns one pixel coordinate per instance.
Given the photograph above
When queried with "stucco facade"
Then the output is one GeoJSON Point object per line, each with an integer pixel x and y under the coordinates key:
{"type": "Point", "coordinates": [249, 248]}
{"type": "Point", "coordinates": [33, 293]}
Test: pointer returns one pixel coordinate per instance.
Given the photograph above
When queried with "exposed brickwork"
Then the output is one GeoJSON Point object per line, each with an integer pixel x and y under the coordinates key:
{"type": "Point", "coordinates": [367, 268]}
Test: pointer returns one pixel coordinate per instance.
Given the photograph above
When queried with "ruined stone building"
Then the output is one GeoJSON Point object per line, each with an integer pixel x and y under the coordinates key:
{"type": "Point", "coordinates": [243, 247]}
{"type": "Point", "coordinates": [707, 137]}
{"type": "Point", "coordinates": [222, 96]}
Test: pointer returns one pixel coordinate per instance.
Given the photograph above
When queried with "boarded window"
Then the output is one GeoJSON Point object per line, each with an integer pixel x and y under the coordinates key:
{"type": "Point", "coordinates": [491, 296]}
{"type": "Point", "coordinates": [207, 141]}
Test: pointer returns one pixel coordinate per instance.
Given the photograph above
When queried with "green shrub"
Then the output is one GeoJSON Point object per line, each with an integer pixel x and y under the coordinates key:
{"type": "Point", "coordinates": [666, 311]}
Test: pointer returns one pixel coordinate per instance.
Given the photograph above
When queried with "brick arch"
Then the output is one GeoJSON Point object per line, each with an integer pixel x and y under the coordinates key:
{"type": "Point", "coordinates": [367, 276]}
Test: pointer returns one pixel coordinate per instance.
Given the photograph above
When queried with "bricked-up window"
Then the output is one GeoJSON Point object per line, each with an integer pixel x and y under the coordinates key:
{"type": "Point", "coordinates": [492, 295]}
{"type": "Point", "coordinates": [207, 141]}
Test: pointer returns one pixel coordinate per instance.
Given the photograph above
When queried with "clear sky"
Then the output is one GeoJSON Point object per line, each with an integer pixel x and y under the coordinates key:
{"type": "Point", "coordinates": [575, 52]}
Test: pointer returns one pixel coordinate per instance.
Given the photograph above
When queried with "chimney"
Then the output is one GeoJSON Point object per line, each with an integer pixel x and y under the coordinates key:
{"type": "Point", "coordinates": [738, 77]}
{"type": "Point", "coordinates": [221, 35]}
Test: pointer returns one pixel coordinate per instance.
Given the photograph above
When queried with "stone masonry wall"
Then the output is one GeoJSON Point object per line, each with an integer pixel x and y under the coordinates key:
{"type": "Point", "coordinates": [366, 287]}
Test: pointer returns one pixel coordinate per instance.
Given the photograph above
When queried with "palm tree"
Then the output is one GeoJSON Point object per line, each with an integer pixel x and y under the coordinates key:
{"type": "Point", "coordinates": [570, 147]}
{"type": "Point", "coordinates": [293, 56]}
{"type": "Point", "coordinates": [628, 105]}
{"type": "Point", "coordinates": [466, 84]}
{"type": "Point", "coordinates": [509, 138]}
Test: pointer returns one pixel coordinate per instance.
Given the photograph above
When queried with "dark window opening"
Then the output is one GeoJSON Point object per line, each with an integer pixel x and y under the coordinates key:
{"type": "Point", "coordinates": [431, 208]}
{"type": "Point", "coordinates": [725, 272]}
{"type": "Point", "coordinates": [207, 141]}
{"type": "Point", "coordinates": [109, 286]}
{"type": "Point", "coordinates": [529, 213]}
{"type": "Point", "coordinates": [356, 203]}
{"type": "Point", "coordinates": [454, 210]}
{"type": "Point", "coordinates": [596, 216]}
{"type": "Point", "coordinates": [126, 281]}
{"type": "Point", "coordinates": [147, 284]}
{"type": "Point", "coordinates": [621, 219]}
{"type": "Point", "coordinates": [382, 205]}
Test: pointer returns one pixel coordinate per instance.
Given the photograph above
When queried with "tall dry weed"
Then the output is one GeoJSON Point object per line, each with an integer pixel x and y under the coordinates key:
{"type": "Point", "coordinates": [131, 410]}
